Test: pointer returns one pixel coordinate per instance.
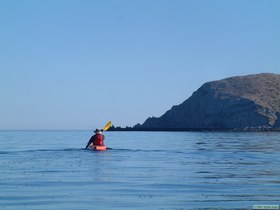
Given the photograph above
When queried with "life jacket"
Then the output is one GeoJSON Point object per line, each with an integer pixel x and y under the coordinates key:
{"type": "Point", "coordinates": [98, 139]}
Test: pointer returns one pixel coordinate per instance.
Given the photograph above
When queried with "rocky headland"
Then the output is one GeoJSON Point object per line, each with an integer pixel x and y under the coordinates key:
{"type": "Point", "coordinates": [249, 102]}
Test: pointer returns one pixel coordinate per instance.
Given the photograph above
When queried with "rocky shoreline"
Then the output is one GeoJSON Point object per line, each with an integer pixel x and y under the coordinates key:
{"type": "Point", "coordinates": [197, 129]}
{"type": "Point", "coordinates": [248, 103]}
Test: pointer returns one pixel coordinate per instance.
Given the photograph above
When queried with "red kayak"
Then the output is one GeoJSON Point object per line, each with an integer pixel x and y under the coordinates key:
{"type": "Point", "coordinates": [98, 148]}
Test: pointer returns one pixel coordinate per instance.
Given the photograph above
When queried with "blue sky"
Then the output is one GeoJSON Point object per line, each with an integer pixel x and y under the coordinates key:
{"type": "Point", "coordinates": [76, 64]}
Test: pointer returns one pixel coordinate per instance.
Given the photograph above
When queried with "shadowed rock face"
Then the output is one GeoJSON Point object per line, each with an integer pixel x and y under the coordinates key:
{"type": "Point", "coordinates": [236, 102]}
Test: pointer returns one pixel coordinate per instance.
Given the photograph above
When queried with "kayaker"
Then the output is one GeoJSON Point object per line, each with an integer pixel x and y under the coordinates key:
{"type": "Point", "coordinates": [97, 139]}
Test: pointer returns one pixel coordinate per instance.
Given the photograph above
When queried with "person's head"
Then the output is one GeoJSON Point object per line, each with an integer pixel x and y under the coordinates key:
{"type": "Point", "coordinates": [98, 131]}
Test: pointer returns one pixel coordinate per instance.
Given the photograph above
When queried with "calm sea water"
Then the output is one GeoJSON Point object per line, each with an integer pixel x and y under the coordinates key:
{"type": "Point", "coordinates": [144, 170]}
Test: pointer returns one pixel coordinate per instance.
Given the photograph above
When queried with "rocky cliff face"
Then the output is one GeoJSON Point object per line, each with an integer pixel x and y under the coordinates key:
{"type": "Point", "coordinates": [251, 101]}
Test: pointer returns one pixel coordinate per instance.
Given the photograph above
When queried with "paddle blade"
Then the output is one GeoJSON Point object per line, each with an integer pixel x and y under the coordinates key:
{"type": "Point", "coordinates": [107, 126]}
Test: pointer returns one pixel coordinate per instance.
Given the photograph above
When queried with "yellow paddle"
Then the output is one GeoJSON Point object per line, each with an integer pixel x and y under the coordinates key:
{"type": "Point", "coordinates": [107, 126]}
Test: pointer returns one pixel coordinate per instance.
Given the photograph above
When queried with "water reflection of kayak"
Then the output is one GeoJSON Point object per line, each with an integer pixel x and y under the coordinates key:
{"type": "Point", "coordinates": [96, 147]}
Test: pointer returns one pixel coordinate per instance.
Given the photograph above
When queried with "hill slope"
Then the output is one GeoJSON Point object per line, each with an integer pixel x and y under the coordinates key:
{"type": "Point", "coordinates": [237, 102]}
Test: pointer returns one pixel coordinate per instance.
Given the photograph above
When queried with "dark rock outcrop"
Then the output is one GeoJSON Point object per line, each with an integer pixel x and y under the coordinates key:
{"type": "Point", "coordinates": [251, 101]}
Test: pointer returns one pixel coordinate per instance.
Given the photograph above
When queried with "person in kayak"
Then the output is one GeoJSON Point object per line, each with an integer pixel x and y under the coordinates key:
{"type": "Point", "coordinates": [97, 139]}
